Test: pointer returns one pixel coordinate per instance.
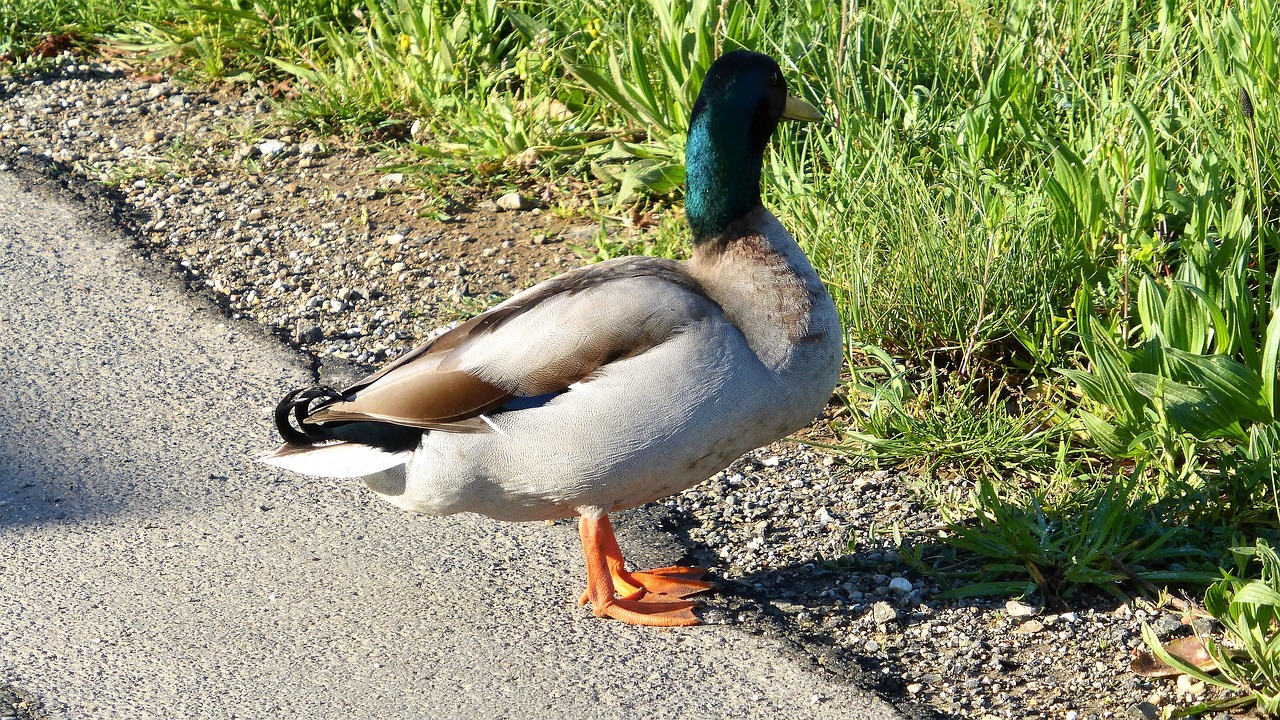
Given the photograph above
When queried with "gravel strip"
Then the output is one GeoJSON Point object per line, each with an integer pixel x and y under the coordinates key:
{"type": "Point", "coordinates": [15, 704]}
{"type": "Point", "coordinates": [305, 236]}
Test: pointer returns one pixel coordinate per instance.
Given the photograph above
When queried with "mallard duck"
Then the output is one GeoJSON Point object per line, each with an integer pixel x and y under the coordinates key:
{"type": "Point", "coordinates": [611, 385]}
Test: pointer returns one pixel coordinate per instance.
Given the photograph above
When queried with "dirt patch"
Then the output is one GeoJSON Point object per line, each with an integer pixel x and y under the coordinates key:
{"type": "Point", "coordinates": [16, 704]}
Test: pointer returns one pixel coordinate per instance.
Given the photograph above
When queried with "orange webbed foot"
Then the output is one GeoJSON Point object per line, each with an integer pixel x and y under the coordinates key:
{"type": "Point", "coordinates": [671, 584]}
{"type": "Point", "coordinates": [647, 612]}
{"type": "Point", "coordinates": [659, 584]}
{"type": "Point", "coordinates": [652, 597]}
{"type": "Point", "coordinates": [674, 581]}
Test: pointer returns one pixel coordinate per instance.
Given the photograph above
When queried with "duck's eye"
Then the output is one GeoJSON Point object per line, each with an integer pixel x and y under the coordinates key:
{"type": "Point", "coordinates": [775, 79]}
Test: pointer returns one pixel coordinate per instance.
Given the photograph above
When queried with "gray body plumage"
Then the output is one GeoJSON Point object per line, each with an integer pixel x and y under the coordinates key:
{"type": "Point", "coordinates": [673, 369]}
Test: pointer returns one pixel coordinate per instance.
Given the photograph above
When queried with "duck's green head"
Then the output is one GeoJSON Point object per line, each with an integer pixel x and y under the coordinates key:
{"type": "Point", "coordinates": [743, 98]}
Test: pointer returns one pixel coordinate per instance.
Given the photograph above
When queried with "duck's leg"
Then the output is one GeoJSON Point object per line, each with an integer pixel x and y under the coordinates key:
{"type": "Point", "coordinates": [656, 585]}
{"type": "Point", "coordinates": [598, 544]}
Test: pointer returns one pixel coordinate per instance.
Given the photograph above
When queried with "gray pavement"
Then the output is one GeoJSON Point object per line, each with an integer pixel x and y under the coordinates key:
{"type": "Point", "coordinates": [149, 568]}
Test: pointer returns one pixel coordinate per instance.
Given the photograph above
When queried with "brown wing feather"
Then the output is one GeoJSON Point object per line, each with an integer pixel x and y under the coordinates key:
{"type": "Point", "coordinates": [425, 388]}
{"type": "Point", "coordinates": [425, 399]}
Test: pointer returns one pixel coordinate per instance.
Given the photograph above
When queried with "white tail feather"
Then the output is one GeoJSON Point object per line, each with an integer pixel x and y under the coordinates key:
{"type": "Point", "coordinates": [335, 460]}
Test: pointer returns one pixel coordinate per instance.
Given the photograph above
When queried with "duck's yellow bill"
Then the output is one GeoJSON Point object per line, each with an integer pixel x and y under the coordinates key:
{"type": "Point", "coordinates": [797, 109]}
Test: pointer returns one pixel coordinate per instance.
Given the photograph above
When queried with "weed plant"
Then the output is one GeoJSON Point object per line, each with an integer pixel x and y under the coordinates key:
{"type": "Point", "coordinates": [1104, 535]}
{"type": "Point", "coordinates": [1247, 604]}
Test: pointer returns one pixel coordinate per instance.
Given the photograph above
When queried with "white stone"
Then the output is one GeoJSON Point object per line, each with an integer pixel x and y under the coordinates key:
{"type": "Point", "coordinates": [513, 201]}
{"type": "Point", "coordinates": [1018, 609]}
{"type": "Point", "coordinates": [270, 148]}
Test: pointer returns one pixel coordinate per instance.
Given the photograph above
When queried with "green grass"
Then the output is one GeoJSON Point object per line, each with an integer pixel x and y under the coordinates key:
{"type": "Point", "coordinates": [1050, 228]}
{"type": "Point", "coordinates": [1105, 535]}
{"type": "Point", "coordinates": [970, 424]}
{"type": "Point", "coordinates": [24, 23]}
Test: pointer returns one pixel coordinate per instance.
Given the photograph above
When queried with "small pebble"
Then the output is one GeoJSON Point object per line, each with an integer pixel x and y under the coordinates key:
{"type": "Point", "coordinates": [883, 613]}
{"type": "Point", "coordinates": [513, 201]}
{"type": "Point", "coordinates": [1029, 627]}
{"type": "Point", "coordinates": [270, 148]}
{"type": "Point", "coordinates": [1019, 609]}
{"type": "Point", "coordinates": [901, 585]}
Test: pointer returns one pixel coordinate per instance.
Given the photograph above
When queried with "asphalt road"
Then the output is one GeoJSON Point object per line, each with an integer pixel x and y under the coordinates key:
{"type": "Point", "coordinates": [149, 568]}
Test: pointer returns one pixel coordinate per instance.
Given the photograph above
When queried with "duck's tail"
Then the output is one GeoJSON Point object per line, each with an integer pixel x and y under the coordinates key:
{"type": "Point", "coordinates": [336, 449]}
{"type": "Point", "coordinates": [297, 406]}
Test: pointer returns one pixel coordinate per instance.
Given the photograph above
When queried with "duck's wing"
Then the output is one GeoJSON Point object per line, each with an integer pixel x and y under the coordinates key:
{"type": "Point", "coordinates": [541, 341]}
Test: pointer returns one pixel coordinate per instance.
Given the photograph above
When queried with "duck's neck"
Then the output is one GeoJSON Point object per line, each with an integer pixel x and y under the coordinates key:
{"type": "Point", "coordinates": [722, 173]}
{"type": "Point", "coordinates": [765, 285]}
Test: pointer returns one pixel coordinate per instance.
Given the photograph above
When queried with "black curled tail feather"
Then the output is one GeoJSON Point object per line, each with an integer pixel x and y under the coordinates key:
{"type": "Point", "coordinates": [296, 407]}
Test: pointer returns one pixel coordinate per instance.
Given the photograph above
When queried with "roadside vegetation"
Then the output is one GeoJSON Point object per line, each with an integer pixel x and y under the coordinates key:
{"type": "Point", "coordinates": [1052, 229]}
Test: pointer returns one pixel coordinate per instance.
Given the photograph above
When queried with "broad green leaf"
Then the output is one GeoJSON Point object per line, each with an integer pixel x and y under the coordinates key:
{"type": "Point", "coordinates": [1181, 577]}
{"type": "Point", "coordinates": [1275, 291]}
{"type": "Point", "coordinates": [1151, 299]}
{"type": "Point", "coordinates": [1150, 356]}
{"type": "Point", "coordinates": [1193, 409]}
{"type": "Point", "coordinates": [1216, 600]}
{"type": "Point", "coordinates": [296, 70]}
{"type": "Point", "coordinates": [660, 178]}
{"type": "Point", "coordinates": [1112, 440]}
{"type": "Point", "coordinates": [525, 25]}
{"type": "Point", "coordinates": [1270, 357]}
{"type": "Point", "coordinates": [1235, 386]}
{"type": "Point", "coordinates": [1185, 326]}
{"type": "Point", "coordinates": [1091, 385]}
{"type": "Point", "coordinates": [1257, 592]}
{"type": "Point", "coordinates": [1111, 370]}
{"type": "Point", "coordinates": [1221, 331]}
{"type": "Point", "coordinates": [1153, 169]}
{"type": "Point", "coordinates": [602, 86]}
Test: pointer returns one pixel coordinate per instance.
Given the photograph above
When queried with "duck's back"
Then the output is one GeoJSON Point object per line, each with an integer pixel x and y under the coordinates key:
{"type": "Point", "coordinates": [743, 348]}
